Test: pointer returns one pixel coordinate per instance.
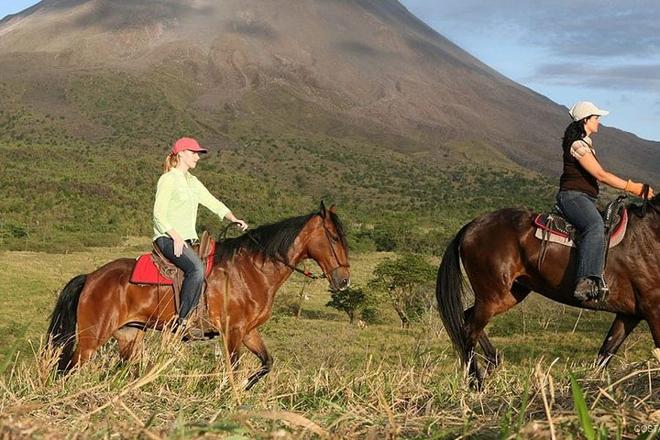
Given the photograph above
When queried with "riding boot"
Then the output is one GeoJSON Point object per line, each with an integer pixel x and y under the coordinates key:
{"type": "Point", "coordinates": [179, 325]}
{"type": "Point", "coordinates": [188, 333]}
{"type": "Point", "coordinates": [194, 334]}
{"type": "Point", "coordinates": [585, 289]}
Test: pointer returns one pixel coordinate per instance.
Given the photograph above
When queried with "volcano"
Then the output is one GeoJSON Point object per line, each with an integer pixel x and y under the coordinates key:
{"type": "Point", "coordinates": [364, 69]}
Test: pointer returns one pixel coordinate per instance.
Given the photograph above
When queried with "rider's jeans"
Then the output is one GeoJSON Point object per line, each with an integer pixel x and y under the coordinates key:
{"type": "Point", "coordinates": [193, 269]}
{"type": "Point", "coordinates": [580, 210]}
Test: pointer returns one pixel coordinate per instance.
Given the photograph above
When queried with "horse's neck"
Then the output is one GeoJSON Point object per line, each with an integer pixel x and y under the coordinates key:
{"type": "Point", "coordinates": [295, 255]}
{"type": "Point", "coordinates": [643, 233]}
{"type": "Point", "coordinates": [282, 271]}
{"type": "Point", "coordinates": [650, 221]}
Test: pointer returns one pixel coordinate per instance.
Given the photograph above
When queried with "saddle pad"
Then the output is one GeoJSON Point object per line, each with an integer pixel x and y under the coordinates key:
{"type": "Point", "coordinates": [542, 231]}
{"type": "Point", "coordinates": [145, 270]}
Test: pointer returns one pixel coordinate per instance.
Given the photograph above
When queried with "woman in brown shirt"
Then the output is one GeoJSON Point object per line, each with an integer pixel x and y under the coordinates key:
{"type": "Point", "coordinates": [578, 191]}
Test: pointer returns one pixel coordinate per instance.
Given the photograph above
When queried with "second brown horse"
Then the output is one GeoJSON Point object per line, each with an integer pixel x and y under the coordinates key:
{"type": "Point", "coordinates": [246, 274]}
{"type": "Point", "coordinates": [500, 256]}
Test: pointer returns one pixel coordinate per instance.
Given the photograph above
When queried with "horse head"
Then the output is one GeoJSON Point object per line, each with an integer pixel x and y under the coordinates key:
{"type": "Point", "coordinates": [327, 245]}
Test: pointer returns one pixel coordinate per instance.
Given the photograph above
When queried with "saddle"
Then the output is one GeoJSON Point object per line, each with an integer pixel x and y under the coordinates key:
{"type": "Point", "coordinates": [155, 269]}
{"type": "Point", "coordinates": [553, 227]}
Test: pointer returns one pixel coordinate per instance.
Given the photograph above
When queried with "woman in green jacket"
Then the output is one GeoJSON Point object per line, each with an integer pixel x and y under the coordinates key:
{"type": "Point", "coordinates": [178, 195]}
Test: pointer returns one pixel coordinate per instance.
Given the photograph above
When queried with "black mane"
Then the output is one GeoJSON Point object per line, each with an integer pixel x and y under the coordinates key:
{"type": "Point", "coordinates": [273, 240]}
{"type": "Point", "coordinates": [646, 206]}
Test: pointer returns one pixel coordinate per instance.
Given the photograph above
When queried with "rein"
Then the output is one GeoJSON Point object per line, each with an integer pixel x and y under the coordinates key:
{"type": "Point", "coordinates": [306, 273]}
{"type": "Point", "coordinates": [646, 202]}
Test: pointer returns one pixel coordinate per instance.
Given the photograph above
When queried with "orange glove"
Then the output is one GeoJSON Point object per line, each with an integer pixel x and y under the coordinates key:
{"type": "Point", "coordinates": [637, 188]}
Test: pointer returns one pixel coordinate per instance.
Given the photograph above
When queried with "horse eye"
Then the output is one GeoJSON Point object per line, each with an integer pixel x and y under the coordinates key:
{"type": "Point", "coordinates": [335, 238]}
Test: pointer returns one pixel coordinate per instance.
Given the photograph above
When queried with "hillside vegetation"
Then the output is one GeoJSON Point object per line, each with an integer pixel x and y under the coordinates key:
{"type": "Point", "coordinates": [64, 190]}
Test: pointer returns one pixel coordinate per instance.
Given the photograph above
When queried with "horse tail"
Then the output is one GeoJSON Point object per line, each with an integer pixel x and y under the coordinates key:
{"type": "Point", "coordinates": [62, 328]}
{"type": "Point", "coordinates": [449, 293]}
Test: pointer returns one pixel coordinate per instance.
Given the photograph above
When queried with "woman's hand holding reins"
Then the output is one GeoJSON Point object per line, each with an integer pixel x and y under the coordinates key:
{"type": "Point", "coordinates": [637, 189]}
{"type": "Point", "coordinates": [241, 224]}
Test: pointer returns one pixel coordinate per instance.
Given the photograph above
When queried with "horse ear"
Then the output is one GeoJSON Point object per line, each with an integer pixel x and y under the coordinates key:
{"type": "Point", "coordinates": [322, 211]}
{"type": "Point", "coordinates": [333, 209]}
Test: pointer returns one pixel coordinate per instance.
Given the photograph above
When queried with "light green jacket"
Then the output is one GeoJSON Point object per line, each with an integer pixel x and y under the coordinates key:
{"type": "Point", "coordinates": [177, 198]}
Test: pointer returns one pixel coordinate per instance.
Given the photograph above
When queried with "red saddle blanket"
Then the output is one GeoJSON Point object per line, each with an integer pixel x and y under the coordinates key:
{"type": "Point", "coordinates": [557, 236]}
{"type": "Point", "coordinates": [145, 270]}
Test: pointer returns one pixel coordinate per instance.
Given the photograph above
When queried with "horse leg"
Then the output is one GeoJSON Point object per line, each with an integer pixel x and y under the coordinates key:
{"type": "Point", "coordinates": [96, 324]}
{"type": "Point", "coordinates": [653, 320]}
{"type": "Point", "coordinates": [474, 331]}
{"type": "Point", "coordinates": [129, 340]}
{"type": "Point", "coordinates": [491, 355]}
{"type": "Point", "coordinates": [622, 326]}
{"type": "Point", "coordinates": [255, 344]}
{"type": "Point", "coordinates": [492, 359]}
{"type": "Point", "coordinates": [90, 337]}
{"type": "Point", "coordinates": [233, 338]}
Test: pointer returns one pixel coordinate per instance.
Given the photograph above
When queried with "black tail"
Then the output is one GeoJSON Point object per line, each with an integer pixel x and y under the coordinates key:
{"type": "Point", "coordinates": [62, 328]}
{"type": "Point", "coordinates": [449, 292]}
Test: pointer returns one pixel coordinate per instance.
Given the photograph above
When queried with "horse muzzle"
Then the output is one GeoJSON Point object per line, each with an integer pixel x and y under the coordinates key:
{"type": "Point", "coordinates": [340, 278]}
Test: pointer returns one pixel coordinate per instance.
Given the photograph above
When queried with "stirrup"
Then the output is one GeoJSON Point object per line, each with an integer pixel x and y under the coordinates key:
{"type": "Point", "coordinates": [602, 290]}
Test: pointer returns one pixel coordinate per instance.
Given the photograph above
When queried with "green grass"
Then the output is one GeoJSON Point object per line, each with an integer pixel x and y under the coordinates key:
{"type": "Point", "coordinates": [328, 376]}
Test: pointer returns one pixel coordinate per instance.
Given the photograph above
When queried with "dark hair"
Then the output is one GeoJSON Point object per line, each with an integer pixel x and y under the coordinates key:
{"type": "Point", "coordinates": [575, 131]}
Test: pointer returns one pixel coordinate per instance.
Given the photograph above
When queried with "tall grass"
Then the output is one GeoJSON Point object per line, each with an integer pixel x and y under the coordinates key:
{"type": "Point", "coordinates": [329, 380]}
{"type": "Point", "coordinates": [177, 390]}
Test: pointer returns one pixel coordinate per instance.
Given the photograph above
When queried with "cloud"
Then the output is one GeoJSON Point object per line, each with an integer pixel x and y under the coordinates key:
{"type": "Point", "coordinates": [564, 28]}
{"type": "Point", "coordinates": [605, 33]}
{"type": "Point", "coordinates": [641, 77]}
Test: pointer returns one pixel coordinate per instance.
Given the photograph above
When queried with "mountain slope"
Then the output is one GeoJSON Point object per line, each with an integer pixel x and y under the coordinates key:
{"type": "Point", "coordinates": [354, 102]}
{"type": "Point", "coordinates": [369, 64]}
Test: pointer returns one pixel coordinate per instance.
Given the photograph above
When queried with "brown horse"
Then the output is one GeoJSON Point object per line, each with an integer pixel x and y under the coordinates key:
{"type": "Point", "coordinates": [500, 256]}
{"type": "Point", "coordinates": [94, 307]}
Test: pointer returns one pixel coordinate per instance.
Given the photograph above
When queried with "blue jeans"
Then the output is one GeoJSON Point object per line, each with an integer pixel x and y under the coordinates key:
{"type": "Point", "coordinates": [580, 209]}
{"type": "Point", "coordinates": [193, 270]}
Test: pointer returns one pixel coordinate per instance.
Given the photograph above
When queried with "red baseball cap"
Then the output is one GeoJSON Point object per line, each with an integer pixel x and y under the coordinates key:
{"type": "Point", "coordinates": [187, 144]}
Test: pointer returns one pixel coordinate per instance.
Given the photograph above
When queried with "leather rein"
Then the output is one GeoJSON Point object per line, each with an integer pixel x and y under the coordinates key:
{"type": "Point", "coordinates": [647, 203]}
{"type": "Point", "coordinates": [306, 273]}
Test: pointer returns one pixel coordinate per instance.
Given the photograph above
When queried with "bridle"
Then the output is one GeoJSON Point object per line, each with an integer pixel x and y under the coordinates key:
{"type": "Point", "coordinates": [307, 273]}
{"type": "Point", "coordinates": [333, 238]}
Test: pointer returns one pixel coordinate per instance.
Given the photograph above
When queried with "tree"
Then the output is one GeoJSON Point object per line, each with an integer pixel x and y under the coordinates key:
{"type": "Point", "coordinates": [348, 300]}
{"type": "Point", "coordinates": [404, 282]}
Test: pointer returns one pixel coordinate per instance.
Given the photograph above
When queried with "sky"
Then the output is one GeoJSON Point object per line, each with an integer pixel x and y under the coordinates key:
{"type": "Point", "coordinates": [604, 51]}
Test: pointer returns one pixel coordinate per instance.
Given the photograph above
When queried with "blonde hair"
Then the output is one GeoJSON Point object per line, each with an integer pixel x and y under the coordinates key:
{"type": "Point", "coordinates": [171, 161]}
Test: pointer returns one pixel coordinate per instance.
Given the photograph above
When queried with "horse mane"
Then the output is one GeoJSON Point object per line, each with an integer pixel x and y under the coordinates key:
{"type": "Point", "coordinates": [646, 206]}
{"type": "Point", "coordinates": [272, 240]}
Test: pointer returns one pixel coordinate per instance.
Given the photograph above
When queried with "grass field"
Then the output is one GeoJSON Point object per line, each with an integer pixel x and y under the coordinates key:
{"type": "Point", "coordinates": [330, 379]}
